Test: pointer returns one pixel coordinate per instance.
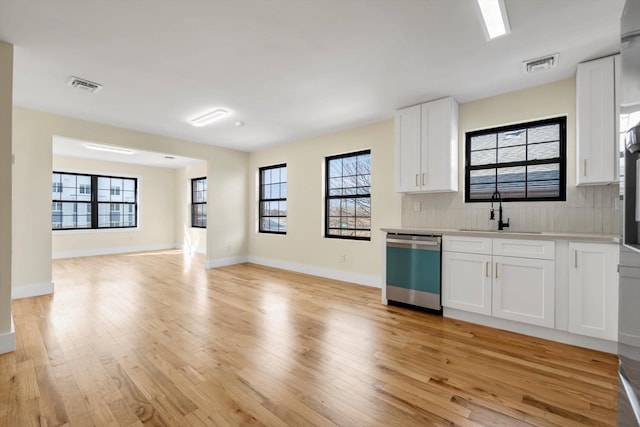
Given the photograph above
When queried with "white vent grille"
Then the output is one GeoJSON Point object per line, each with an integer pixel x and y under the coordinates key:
{"type": "Point", "coordinates": [540, 64]}
{"type": "Point", "coordinates": [83, 84]}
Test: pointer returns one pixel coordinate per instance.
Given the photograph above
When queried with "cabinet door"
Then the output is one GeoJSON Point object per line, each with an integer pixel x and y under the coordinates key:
{"type": "Point", "coordinates": [593, 290]}
{"type": "Point", "coordinates": [466, 282]}
{"type": "Point", "coordinates": [523, 290]}
{"type": "Point", "coordinates": [595, 119]}
{"type": "Point", "coordinates": [407, 150]}
{"type": "Point", "coordinates": [439, 152]}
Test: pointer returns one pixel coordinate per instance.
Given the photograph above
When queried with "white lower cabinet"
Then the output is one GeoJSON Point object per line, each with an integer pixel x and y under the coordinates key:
{"type": "Point", "coordinates": [593, 290]}
{"type": "Point", "coordinates": [520, 288]}
{"type": "Point", "coordinates": [466, 282]}
{"type": "Point", "coordinates": [524, 290]}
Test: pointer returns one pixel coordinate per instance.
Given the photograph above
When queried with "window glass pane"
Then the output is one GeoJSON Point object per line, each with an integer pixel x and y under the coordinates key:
{"type": "Point", "coordinates": [283, 190]}
{"type": "Point", "coordinates": [549, 150]}
{"type": "Point", "coordinates": [129, 185]}
{"type": "Point", "coordinates": [512, 154]}
{"type": "Point", "coordinates": [515, 174]}
{"type": "Point", "coordinates": [512, 138]}
{"type": "Point", "coordinates": [485, 157]}
{"type": "Point", "coordinates": [283, 174]}
{"type": "Point", "coordinates": [483, 176]}
{"type": "Point", "coordinates": [266, 176]}
{"type": "Point", "coordinates": [364, 164]}
{"type": "Point", "coordinates": [335, 168]}
{"type": "Point", "coordinates": [544, 189]}
{"type": "Point", "coordinates": [544, 134]}
{"type": "Point", "coordinates": [543, 172]}
{"type": "Point", "coordinates": [275, 191]}
{"type": "Point", "coordinates": [482, 142]}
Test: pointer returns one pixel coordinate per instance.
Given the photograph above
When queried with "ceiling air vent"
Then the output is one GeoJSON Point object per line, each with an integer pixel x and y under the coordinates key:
{"type": "Point", "coordinates": [83, 84]}
{"type": "Point", "coordinates": [540, 64]}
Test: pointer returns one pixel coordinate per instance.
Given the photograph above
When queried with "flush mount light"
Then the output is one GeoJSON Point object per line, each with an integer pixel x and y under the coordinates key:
{"type": "Point", "coordinates": [109, 149]}
{"type": "Point", "coordinates": [209, 117]}
{"type": "Point", "coordinates": [494, 16]}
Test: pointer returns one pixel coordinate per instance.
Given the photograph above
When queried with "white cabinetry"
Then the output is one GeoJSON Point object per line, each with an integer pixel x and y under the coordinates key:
{"type": "Point", "coordinates": [597, 121]}
{"type": "Point", "coordinates": [593, 290]}
{"type": "Point", "coordinates": [426, 150]}
{"type": "Point", "coordinates": [466, 282]}
{"type": "Point", "coordinates": [479, 276]}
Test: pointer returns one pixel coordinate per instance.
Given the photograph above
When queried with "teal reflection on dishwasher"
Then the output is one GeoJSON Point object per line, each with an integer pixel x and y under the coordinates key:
{"type": "Point", "coordinates": [413, 269]}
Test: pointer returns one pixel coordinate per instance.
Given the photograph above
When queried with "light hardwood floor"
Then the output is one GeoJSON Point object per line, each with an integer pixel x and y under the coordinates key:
{"type": "Point", "coordinates": [155, 339]}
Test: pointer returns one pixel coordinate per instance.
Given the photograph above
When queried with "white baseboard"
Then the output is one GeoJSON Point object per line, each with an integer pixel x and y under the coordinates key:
{"type": "Point", "coordinates": [223, 262]}
{"type": "Point", "coordinates": [32, 290]}
{"type": "Point", "coordinates": [329, 273]}
{"type": "Point", "coordinates": [8, 340]}
{"type": "Point", "coordinates": [112, 251]}
{"type": "Point", "coordinates": [534, 331]}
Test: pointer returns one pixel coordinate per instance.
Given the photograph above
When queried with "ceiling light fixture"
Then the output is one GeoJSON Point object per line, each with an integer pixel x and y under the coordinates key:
{"type": "Point", "coordinates": [209, 117]}
{"type": "Point", "coordinates": [109, 149]}
{"type": "Point", "coordinates": [494, 16]}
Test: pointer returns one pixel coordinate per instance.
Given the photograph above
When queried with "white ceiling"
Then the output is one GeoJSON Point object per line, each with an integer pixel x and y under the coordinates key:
{"type": "Point", "coordinates": [290, 69]}
{"type": "Point", "coordinates": [77, 148]}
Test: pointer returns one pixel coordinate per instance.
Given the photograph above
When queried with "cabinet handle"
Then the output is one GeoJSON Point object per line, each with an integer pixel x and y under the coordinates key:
{"type": "Point", "coordinates": [486, 269]}
{"type": "Point", "coordinates": [496, 270]}
{"type": "Point", "coordinates": [584, 168]}
{"type": "Point", "coordinates": [575, 258]}
{"type": "Point", "coordinates": [423, 179]}
{"type": "Point", "coordinates": [417, 183]}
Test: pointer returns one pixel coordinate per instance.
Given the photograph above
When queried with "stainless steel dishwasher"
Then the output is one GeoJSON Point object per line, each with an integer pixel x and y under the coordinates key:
{"type": "Point", "coordinates": [413, 270]}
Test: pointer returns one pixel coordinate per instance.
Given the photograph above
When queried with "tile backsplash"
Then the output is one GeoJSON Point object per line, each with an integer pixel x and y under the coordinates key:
{"type": "Point", "coordinates": [591, 209]}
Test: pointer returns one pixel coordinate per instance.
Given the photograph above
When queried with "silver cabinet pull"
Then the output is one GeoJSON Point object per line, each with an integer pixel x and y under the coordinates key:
{"type": "Point", "coordinates": [584, 168]}
{"type": "Point", "coordinates": [496, 270]}
{"type": "Point", "coordinates": [486, 269]}
{"type": "Point", "coordinates": [575, 258]}
{"type": "Point", "coordinates": [417, 183]}
{"type": "Point", "coordinates": [423, 179]}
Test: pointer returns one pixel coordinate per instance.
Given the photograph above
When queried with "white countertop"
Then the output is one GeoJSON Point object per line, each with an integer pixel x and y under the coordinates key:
{"type": "Point", "coordinates": [533, 235]}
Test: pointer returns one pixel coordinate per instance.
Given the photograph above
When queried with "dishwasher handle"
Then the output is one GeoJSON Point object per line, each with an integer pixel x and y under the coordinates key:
{"type": "Point", "coordinates": [414, 242]}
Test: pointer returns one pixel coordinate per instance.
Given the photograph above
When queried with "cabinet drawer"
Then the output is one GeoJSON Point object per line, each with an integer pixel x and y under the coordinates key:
{"type": "Point", "coordinates": [538, 249]}
{"type": "Point", "coordinates": [472, 245]}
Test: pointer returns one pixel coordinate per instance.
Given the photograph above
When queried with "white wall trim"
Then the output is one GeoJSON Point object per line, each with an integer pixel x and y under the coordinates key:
{"type": "Point", "coordinates": [223, 262]}
{"type": "Point", "coordinates": [8, 339]}
{"type": "Point", "coordinates": [329, 273]}
{"type": "Point", "coordinates": [534, 331]}
{"type": "Point", "coordinates": [112, 251]}
{"type": "Point", "coordinates": [32, 290]}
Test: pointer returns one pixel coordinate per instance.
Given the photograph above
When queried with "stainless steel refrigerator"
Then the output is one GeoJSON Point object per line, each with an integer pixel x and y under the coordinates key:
{"type": "Point", "coordinates": [629, 290]}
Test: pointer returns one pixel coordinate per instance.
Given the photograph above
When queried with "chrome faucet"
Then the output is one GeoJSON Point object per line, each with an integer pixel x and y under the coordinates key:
{"type": "Point", "coordinates": [501, 225]}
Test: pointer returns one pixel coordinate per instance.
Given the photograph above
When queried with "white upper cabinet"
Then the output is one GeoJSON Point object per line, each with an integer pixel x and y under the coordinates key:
{"type": "Point", "coordinates": [597, 121]}
{"type": "Point", "coordinates": [426, 150]}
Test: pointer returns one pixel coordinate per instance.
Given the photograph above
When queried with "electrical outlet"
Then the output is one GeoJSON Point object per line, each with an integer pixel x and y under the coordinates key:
{"type": "Point", "coordinates": [416, 206]}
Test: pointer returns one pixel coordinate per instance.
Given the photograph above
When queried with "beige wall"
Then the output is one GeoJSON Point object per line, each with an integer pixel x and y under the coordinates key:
{"type": "Point", "coordinates": [187, 237]}
{"type": "Point", "coordinates": [6, 100]}
{"type": "Point", "coordinates": [156, 211]}
{"type": "Point", "coordinates": [587, 209]}
{"type": "Point", "coordinates": [304, 244]}
{"type": "Point", "coordinates": [32, 139]}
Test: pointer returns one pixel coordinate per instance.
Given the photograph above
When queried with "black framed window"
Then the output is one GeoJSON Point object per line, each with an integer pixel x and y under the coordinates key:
{"type": "Point", "coordinates": [83, 201]}
{"type": "Point", "coordinates": [199, 202]}
{"type": "Point", "coordinates": [524, 162]}
{"type": "Point", "coordinates": [348, 196]}
{"type": "Point", "coordinates": [273, 199]}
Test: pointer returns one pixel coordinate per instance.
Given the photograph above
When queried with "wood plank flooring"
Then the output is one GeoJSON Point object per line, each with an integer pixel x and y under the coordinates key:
{"type": "Point", "coordinates": [154, 339]}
